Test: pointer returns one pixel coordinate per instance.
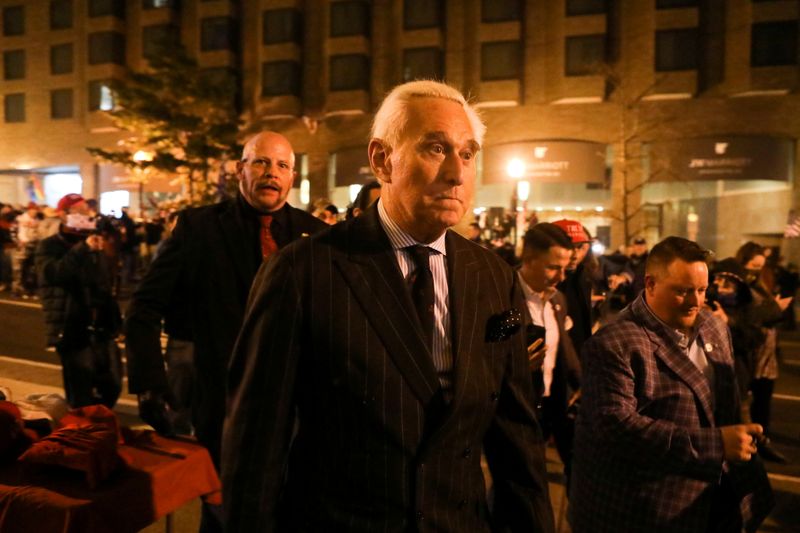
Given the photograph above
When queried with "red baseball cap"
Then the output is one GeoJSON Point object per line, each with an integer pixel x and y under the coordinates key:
{"type": "Point", "coordinates": [574, 230]}
{"type": "Point", "coordinates": [68, 201]}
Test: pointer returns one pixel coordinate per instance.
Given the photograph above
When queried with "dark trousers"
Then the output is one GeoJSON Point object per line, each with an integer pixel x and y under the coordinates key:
{"type": "Point", "coordinates": [762, 401]}
{"type": "Point", "coordinates": [92, 374]}
{"type": "Point", "coordinates": [181, 379]}
{"type": "Point", "coordinates": [554, 421]}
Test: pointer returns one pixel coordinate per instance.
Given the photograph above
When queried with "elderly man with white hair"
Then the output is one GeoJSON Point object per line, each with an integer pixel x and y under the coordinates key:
{"type": "Point", "coordinates": [380, 359]}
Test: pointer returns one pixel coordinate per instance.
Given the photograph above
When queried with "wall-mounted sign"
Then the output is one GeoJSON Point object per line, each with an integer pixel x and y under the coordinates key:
{"type": "Point", "coordinates": [722, 158]}
{"type": "Point", "coordinates": [352, 167]}
{"type": "Point", "coordinates": [546, 161]}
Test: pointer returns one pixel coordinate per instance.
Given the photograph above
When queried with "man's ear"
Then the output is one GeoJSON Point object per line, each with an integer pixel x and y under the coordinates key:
{"type": "Point", "coordinates": [380, 160]}
{"type": "Point", "coordinates": [649, 282]}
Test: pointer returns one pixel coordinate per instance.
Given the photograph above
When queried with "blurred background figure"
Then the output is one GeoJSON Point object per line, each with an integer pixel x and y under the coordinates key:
{"type": "Point", "coordinates": [767, 312]}
{"type": "Point", "coordinates": [324, 210]}
{"type": "Point", "coordinates": [81, 315]}
{"type": "Point", "coordinates": [366, 197]}
{"type": "Point", "coordinates": [23, 273]}
{"type": "Point", "coordinates": [577, 283]}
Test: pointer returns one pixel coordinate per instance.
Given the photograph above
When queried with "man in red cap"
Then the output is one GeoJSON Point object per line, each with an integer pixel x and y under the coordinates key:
{"type": "Point", "coordinates": [81, 316]}
{"type": "Point", "coordinates": [577, 284]}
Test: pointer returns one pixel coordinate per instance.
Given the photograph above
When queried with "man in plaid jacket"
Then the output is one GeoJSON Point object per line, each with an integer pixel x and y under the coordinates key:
{"type": "Point", "coordinates": [658, 444]}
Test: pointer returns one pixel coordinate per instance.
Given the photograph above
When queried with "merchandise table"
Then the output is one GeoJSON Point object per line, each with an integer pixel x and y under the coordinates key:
{"type": "Point", "coordinates": [157, 476]}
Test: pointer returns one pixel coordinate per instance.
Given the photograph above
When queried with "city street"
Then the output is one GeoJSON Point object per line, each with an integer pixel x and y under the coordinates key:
{"type": "Point", "coordinates": [27, 367]}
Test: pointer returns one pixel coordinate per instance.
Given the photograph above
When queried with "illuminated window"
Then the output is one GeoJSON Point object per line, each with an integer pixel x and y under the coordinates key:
{"type": "Point", "coordinates": [101, 97]}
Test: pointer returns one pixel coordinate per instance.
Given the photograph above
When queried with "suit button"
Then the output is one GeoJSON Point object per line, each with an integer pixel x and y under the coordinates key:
{"type": "Point", "coordinates": [462, 504]}
{"type": "Point", "coordinates": [493, 396]}
{"type": "Point", "coordinates": [420, 516]}
{"type": "Point", "coordinates": [467, 452]}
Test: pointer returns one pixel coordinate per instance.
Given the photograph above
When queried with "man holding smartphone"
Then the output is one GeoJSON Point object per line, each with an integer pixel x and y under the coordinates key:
{"type": "Point", "coordinates": [546, 253]}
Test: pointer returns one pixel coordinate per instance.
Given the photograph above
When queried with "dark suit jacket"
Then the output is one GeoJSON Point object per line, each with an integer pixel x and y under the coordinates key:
{"type": "Point", "coordinates": [567, 372]}
{"type": "Point", "coordinates": [207, 266]}
{"type": "Point", "coordinates": [329, 337]}
{"type": "Point", "coordinates": [648, 450]}
{"type": "Point", "coordinates": [577, 289]}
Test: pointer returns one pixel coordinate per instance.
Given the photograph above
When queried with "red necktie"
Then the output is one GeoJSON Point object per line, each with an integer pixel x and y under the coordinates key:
{"type": "Point", "coordinates": [268, 244]}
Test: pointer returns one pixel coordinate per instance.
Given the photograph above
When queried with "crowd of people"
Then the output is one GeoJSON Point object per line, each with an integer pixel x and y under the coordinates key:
{"type": "Point", "coordinates": [353, 374]}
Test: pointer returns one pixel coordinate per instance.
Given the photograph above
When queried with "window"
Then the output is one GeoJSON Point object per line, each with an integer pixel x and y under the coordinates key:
{"type": "Point", "coordinates": [500, 10]}
{"type": "Point", "coordinates": [14, 65]}
{"type": "Point", "coordinates": [61, 59]}
{"type": "Point", "coordinates": [774, 43]}
{"type": "Point", "coordinates": [422, 14]}
{"type": "Point", "coordinates": [157, 38]}
{"type": "Point", "coordinates": [101, 97]}
{"type": "Point", "coordinates": [349, 18]}
{"type": "Point", "coordinates": [14, 107]}
{"type": "Point", "coordinates": [584, 54]}
{"type": "Point", "coordinates": [216, 34]}
{"type": "Point", "coordinates": [282, 26]}
{"type": "Point", "coordinates": [105, 8]}
{"type": "Point", "coordinates": [279, 78]}
{"type": "Point", "coordinates": [676, 49]}
{"type": "Point", "coordinates": [669, 4]}
{"type": "Point", "coordinates": [61, 103]}
{"type": "Point", "coordinates": [13, 21]}
{"type": "Point", "coordinates": [60, 14]}
{"type": "Point", "coordinates": [349, 72]}
{"type": "Point", "coordinates": [500, 60]}
{"type": "Point", "coordinates": [585, 7]}
{"type": "Point", "coordinates": [106, 47]}
{"type": "Point", "coordinates": [422, 63]}
{"type": "Point", "coordinates": [155, 4]}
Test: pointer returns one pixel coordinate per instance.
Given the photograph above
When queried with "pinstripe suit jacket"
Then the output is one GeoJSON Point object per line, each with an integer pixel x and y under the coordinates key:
{"type": "Point", "coordinates": [648, 450]}
{"type": "Point", "coordinates": [328, 343]}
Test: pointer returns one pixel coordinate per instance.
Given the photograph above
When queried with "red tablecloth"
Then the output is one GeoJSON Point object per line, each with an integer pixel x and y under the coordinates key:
{"type": "Point", "coordinates": [159, 476]}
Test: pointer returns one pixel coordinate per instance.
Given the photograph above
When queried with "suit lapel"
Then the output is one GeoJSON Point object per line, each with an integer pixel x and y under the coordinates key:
{"type": "Point", "coordinates": [464, 282]}
{"type": "Point", "coordinates": [235, 234]}
{"type": "Point", "coordinates": [673, 356]}
{"type": "Point", "coordinates": [373, 275]}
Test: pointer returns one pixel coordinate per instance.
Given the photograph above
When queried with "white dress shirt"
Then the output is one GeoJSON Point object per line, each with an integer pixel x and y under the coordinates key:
{"type": "Point", "coordinates": [442, 350]}
{"type": "Point", "coordinates": [543, 314]}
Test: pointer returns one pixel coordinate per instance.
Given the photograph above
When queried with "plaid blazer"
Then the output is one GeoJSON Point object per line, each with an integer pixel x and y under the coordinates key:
{"type": "Point", "coordinates": [330, 351]}
{"type": "Point", "coordinates": [648, 451]}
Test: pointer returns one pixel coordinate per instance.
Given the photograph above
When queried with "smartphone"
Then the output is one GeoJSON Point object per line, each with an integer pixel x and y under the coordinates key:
{"type": "Point", "coordinates": [534, 333]}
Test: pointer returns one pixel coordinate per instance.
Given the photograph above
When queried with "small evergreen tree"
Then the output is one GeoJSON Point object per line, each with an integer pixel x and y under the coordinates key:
{"type": "Point", "coordinates": [184, 117]}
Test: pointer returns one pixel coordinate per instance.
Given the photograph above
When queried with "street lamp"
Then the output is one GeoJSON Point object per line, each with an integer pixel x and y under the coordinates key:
{"type": "Point", "coordinates": [142, 156]}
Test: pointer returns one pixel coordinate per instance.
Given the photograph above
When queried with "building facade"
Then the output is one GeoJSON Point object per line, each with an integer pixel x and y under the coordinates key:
{"type": "Point", "coordinates": [637, 117]}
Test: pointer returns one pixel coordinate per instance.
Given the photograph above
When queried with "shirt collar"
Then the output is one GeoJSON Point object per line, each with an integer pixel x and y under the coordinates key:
{"type": "Point", "coordinates": [399, 239]}
{"type": "Point", "coordinates": [530, 294]}
{"type": "Point", "coordinates": [682, 340]}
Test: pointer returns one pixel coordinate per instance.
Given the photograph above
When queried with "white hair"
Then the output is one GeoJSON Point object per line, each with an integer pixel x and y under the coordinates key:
{"type": "Point", "coordinates": [391, 117]}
